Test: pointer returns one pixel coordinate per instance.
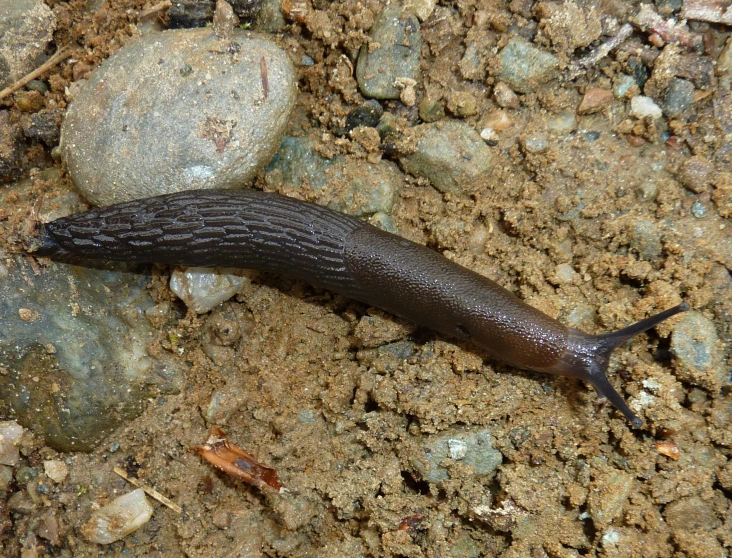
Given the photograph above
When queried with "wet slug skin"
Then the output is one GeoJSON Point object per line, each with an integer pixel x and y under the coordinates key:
{"type": "Point", "coordinates": [252, 229]}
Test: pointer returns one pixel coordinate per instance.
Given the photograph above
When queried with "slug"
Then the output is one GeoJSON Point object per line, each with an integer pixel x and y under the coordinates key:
{"type": "Point", "coordinates": [252, 229]}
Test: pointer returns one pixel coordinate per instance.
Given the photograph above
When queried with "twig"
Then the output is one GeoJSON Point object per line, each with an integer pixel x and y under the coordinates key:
{"type": "Point", "coordinates": [159, 7]}
{"type": "Point", "coordinates": [148, 490]}
{"type": "Point", "coordinates": [600, 52]}
{"type": "Point", "coordinates": [708, 10]}
{"type": "Point", "coordinates": [61, 54]}
{"type": "Point", "coordinates": [648, 20]}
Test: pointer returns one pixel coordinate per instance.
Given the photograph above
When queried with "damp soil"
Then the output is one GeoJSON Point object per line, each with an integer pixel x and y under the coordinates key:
{"type": "Point", "coordinates": [294, 377]}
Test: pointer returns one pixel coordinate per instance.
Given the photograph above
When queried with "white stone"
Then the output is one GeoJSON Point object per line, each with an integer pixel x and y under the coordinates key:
{"type": "Point", "coordinates": [203, 288]}
{"type": "Point", "coordinates": [645, 107]}
{"type": "Point", "coordinates": [119, 518]}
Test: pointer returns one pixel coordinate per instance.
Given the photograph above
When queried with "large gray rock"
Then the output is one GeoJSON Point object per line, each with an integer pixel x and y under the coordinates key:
{"type": "Point", "coordinates": [26, 28]}
{"type": "Point", "coordinates": [396, 32]}
{"type": "Point", "coordinates": [73, 357]}
{"type": "Point", "coordinates": [178, 110]}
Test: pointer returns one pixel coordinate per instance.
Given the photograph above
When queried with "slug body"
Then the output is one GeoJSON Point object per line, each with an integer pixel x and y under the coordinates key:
{"type": "Point", "coordinates": [252, 229]}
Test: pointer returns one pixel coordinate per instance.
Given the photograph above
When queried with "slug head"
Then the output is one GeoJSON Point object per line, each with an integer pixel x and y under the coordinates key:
{"type": "Point", "coordinates": [587, 357]}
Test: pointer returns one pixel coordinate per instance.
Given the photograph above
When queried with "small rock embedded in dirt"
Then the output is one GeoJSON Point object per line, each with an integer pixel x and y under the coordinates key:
{"type": "Point", "coordinates": [216, 109]}
{"type": "Point", "coordinates": [724, 60]}
{"type": "Point", "coordinates": [646, 239]}
{"type": "Point", "coordinates": [691, 514]}
{"type": "Point", "coordinates": [10, 433]}
{"type": "Point", "coordinates": [431, 110]}
{"type": "Point", "coordinates": [462, 104]}
{"type": "Point", "coordinates": [526, 67]}
{"type": "Point", "coordinates": [368, 114]}
{"type": "Point", "coordinates": [608, 495]}
{"type": "Point", "coordinates": [696, 173]}
{"type": "Point", "coordinates": [698, 352]}
{"type": "Point", "coordinates": [645, 107]}
{"type": "Point", "coordinates": [56, 470]}
{"type": "Point", "coordinates": [26, 28]}
{"type": "Point", "coordinates": [350, 186]}
{"type": "Point", "coordinates": [504, 95]}
{"type": "Point", "coordinates": [186, 14]}
{"type": "Point", "coordinates": [567, 26]}
{"type": "Point", "coordinates": [678, 97]}
{"type": "Point", "coordinates": [451, 155]}
{"type": "Point", "coordinates": [562, 123]}
{"type": "Point", "coordinates": [622, 84]}
{"type": "Point", "coordinates": [595, 100]}
{"type": "Point", "coordinates": [203, 288]}
{"type": "Point", "coordinates": [537, 142]}
{"type": "Point", "coordinates": [396, 32]}
{"type": "Point", "coordinates": [44, 125]}
{"type": "Point", "coordinates": [474, 449]}
{"type": "Point", "coordinates": [119, 518]}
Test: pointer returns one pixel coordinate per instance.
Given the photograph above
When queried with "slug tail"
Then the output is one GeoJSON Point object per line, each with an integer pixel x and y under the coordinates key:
{"type": "Point", "coordinates": [587, 357]}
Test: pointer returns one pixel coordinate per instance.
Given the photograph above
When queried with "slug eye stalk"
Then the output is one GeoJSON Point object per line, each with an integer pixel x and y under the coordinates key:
{"type": "Point", "coordinates": [587, 357]}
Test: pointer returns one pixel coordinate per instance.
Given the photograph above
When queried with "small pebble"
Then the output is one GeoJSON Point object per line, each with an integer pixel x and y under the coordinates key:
{"type": "Point", "coordinates": [562, 123]}
{"type": "Point", "coordinates": [592, 136]}
{"type": "Point", "coordinates": [678, 97]}
{"type": "Point", "coordinates": [595, 100]}
{"type": "Point", "coordinates": [724, 60]}
{"type": "Point", "coordinates": [623, 85]}
{"type": "Point", "coordinates": [489, 135]}
{"type": "Point", "coordinates": [462, 104]}
{"type": "Point", "coordinates": [497, 120]}
{"type": "Point", "coordinates": [56, 470]}
{"type": "Point", "coordinates": [421, 8]}
{"type": "Point", "coordinates": [397, 34]}
{"type": "Point", "coordinates": [698, 351]}
{"type": "Point", "coordinates": [203, 288]}
{"type": "Point", "coordinates": [526, 67]}
{"type": "Point", "coordinates": [504, 95]}
{"type": "Point", "coordinates": [696, 173]}
{"type": "Point", "coordinates": [368, 114]}
{"type": "Point", "coordinates": [119, 518]}
{"type": "Point", "coordinates": [10, 433]}
{"type": "Point", "coordinates": [644, 107]}
{"type": "Point", "coordinates": [474, 449]}
{"type": "Point", "coordinates": [452, 156]}
{"type": "Point", "coordinates": [535, 143]}
{"type": "Point", "coordinates": [26, 28]}
{"type": "Point", "coordinates": [698, 210]}
{"type": "Point", "coordinates": [565, 273]}
{"type": "Point", "coordinates": [431, 110]}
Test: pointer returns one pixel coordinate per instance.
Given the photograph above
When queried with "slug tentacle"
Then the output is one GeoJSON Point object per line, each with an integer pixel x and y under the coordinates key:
{"type": "Point", "coordinates": [587, 357]}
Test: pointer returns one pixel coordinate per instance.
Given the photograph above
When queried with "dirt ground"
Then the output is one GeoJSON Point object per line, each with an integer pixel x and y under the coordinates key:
{"type": "Point", "coordinates": [344, 416]}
